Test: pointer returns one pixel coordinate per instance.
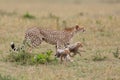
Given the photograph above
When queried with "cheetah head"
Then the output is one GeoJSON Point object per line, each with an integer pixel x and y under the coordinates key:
{"type": "Point", "coordinates": [79, 44]}
{"type": "Point", "coordinates": [78, 29]}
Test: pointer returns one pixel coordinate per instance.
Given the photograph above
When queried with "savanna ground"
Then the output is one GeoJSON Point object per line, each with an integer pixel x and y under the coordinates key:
{"type": "Point", "coordinates": [101, 18]}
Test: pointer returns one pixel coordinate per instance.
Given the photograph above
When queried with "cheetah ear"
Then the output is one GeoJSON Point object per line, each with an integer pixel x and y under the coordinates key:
{"type": "Point", "coordinates": [76, 27]}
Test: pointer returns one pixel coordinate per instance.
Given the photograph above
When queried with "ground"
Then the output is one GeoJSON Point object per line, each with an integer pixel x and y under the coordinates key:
{"type": "Point", "coordinates": [100, 18]}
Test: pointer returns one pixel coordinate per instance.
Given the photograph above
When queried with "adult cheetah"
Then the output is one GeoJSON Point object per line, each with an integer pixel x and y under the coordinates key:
{"type": "Point", "coordinates": [35, 36]}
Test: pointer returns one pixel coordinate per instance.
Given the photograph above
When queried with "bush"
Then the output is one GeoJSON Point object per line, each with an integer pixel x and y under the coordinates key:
{"type": "Point", "coordinates": [20, 57]}
{"type": "Point", "coordinates": [43, 57]}
{"type": "Point", "coordinates": [6, 77]}
{"type": "Point", "coordinates": [28, 16]}
{"type": "Point", "coordinates": [24, 58]}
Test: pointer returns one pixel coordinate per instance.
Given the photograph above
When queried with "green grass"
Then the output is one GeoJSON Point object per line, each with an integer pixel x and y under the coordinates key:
{"type": "Point", "coordinates": [19, 57]}
{"type": "Point", "coordinates": [28, 16]}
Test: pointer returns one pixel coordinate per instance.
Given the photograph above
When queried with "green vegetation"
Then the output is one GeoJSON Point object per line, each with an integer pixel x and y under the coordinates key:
{"type": "Point", "coordinates": [24, 58]}
{"type": "Point", "coordinates": [27, 15]}
{"type": "Point", "coordinates": [20, 57]}
{"type": "Point", "coordinates": [43, 57]}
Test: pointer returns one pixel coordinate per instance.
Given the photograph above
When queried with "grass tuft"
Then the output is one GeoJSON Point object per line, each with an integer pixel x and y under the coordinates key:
{"type": "Point", "coordinates": [98, 57]}
{"type": "Point", "coordinates": [20, 57]}
{"type": "Point", "coordinates": [27, 15]}
{"type": "Point", "coordinates": [116, 53]}
{"type": "Point", "coordinates": [42, 58]}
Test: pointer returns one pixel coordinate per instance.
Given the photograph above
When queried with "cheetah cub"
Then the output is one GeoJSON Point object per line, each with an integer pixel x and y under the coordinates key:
{"type": "Point", "coordinates": [75, 48]}
{"type": "Point", "coordinates": [64, 54]}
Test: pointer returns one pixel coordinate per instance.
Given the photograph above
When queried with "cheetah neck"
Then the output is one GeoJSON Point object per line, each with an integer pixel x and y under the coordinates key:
{"type": "Point", "coordinates": [70, 31]}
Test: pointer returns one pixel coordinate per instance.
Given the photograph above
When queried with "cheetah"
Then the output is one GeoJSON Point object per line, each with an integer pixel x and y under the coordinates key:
{"type": "Point", "coordinates": [59, 38]}
{"type": "Point", "coordinates": [35, 36]}
{"type": "Point", "coordinates": [75, 48]}
{"type": "Point", "coordinates": [64, 54]}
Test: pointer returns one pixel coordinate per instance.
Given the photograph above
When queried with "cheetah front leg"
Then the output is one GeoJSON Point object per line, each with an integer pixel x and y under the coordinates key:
{"type": "Point", "coordinates": [61, 59]}
{"type": "Point", "coordinates": [66, 46]}
{"type": "Point", "coordinates": [56, 50]}
{"type": "Point", "coordinates": [69, 58]}
{"type": "Point", "coordinates": [57, 46]}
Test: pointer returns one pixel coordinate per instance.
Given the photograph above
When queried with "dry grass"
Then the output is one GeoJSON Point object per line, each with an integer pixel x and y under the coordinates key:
{"type": "Point", "coordinates": [102, 23]}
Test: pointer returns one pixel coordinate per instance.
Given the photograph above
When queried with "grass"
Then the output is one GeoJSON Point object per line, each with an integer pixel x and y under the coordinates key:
{"type": "Point", "coordinates": [101, 21]}
{"type": "Point", "coordinates": [6, 77]}
{"type": "Point", "coordinates": [98, 57]}
{"type": "Point", "coordinates": [28, 16]}
{"type": "Point", "coordinates": [4, 13]}
{"type": "Point", "coordinates": [22, 57]}
{"type": "Point", "coordinates": [116, 53]}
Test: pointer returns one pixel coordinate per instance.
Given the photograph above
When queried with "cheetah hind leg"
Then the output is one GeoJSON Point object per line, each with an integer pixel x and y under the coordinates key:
{"type": "Point", "coordinates": [68, 58]}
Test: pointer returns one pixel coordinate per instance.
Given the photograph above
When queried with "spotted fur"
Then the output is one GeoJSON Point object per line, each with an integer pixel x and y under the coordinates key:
{"type": "Point", "coordinates": [64, 54]}
{"type": "Point", "coordinates": [35, 35]}
{"type": "Point", "coordinates": [75, 48]}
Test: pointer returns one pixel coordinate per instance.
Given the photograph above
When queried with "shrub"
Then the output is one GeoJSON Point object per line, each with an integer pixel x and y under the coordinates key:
{"type": "Point", "coordinates": [28, 16]}
{"type": "Point", "coordinates": [43, 57]}
{"type": "Point", "coordinates": [20, 57]}
{"type": "Point", "coordinates": [24, 58]}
